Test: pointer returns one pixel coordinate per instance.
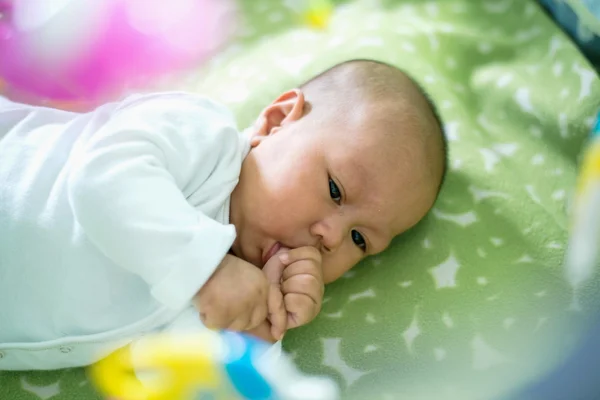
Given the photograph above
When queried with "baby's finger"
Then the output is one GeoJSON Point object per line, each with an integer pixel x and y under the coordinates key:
{"type": "Point", "coordinates": [250, 318]}
{"type": "Point", "coordinates": [274, 267]}
{"type": "Point", "coordinates": [277, 312]}
{"type": "Point", "coordinates": [263, 331]}
{"type": "Point", "coordinates": [214, 317]}
{"type": "Point", "coordinates": [241, 323]}
{"type": "Point", "coordinates": [304, 284]}
{"type": "Point", "coordinates": [303, 267]}
{"type": "Point", "coordinates": [301, 309]}
{"type": "Point", "coordinates": [301, 253]}
{"type": "Point", "coordinates": [259, 315]}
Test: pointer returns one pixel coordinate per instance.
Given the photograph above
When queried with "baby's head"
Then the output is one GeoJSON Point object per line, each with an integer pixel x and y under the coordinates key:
{"type": "Point", "coordinates": [345, 163]}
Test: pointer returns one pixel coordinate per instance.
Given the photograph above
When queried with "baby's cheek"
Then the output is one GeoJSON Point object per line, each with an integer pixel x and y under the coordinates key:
{"type": "Point", "coordinates": [336, 265]}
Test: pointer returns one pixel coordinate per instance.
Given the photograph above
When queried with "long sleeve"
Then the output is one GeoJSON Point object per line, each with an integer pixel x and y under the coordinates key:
{"type": "Point", "coordinates": [128, 183]}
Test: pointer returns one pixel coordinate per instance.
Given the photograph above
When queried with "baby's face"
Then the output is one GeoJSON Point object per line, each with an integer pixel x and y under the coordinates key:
{"type": "Point", "coordinates": [338, 188]}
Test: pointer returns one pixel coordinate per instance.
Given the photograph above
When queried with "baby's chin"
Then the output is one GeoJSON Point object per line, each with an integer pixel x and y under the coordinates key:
{"type": "Point", "coordinates": [237, 251]}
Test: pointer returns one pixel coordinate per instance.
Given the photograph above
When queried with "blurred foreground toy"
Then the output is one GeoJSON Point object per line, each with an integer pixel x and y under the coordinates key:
{"type": "Point", "coordinates": [583, 253]}
{"type": "Point", "coordinates": [209, 365]}
{"type": "Point", "coordinates": [72, 51]}
{"type": "Point", "coordinates": [318, 13]}
{"type": "Point", "coordinates": [577, 376]}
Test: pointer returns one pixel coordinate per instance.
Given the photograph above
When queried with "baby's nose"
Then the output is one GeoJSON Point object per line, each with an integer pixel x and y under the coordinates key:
{"type": "Point", "coordinates": [332, 243]}
{"type": "Point", "coordinates": [332, 239]}
{"type": "Point", "coordinates": [329, 234]}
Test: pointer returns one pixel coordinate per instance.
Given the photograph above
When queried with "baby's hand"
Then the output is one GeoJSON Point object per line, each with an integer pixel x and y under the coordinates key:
{"type": "Point", "coordinates": [276, 324]}
{"type": "Point", "coordinates": [296, 291]}
{"type": "Point", "coordinates": [235, 297]}
{"type": "Point", "coordinates": [302, 285]}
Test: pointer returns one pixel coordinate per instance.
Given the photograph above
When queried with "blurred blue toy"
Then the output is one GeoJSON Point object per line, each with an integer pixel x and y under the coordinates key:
{"type": "Point", "coordinates": [208, 365]}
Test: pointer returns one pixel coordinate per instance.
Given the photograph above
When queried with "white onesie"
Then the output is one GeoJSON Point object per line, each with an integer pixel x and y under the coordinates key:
{"type": "Point", "coordinates": [110, 222]}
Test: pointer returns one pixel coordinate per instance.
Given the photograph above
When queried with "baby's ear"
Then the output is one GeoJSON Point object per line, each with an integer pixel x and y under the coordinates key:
{"type": "Point", "coordinates": [257, 132]}
{"type": "Point", "coordinates": [288, 107]}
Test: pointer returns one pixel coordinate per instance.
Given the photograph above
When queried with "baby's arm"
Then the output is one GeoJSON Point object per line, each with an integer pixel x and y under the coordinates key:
{"type": "Point", "coordinates": [126, 187]}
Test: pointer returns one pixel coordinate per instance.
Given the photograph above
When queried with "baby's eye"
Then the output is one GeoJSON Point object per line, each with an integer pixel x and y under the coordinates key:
{"type": "Point", "coordinates": [359, 240]}
{"type": "Point", "coordinates": [334, 191]}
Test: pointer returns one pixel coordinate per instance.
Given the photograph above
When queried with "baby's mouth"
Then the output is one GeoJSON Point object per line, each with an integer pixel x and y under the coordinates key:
{"type": "Point", "coordinates": [272, 251]}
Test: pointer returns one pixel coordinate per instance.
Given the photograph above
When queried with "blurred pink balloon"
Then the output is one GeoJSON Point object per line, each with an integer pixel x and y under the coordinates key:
{"type": "Point", "coordinates": [91, 50]}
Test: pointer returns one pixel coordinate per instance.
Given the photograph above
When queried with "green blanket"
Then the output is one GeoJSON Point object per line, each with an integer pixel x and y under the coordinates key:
{"type": "Point", "coordinates": [472, 302]}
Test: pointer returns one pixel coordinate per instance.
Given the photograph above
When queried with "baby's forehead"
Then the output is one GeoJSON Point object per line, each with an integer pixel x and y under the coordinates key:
{"type": "Point", "coordinates": [376, 150]}
{"type": "Point", "coordinates": [383, 180]}
{"type": "Point", "coordinates": [379, 139]}
{"type": "Point", "coordinates": [376, 174]}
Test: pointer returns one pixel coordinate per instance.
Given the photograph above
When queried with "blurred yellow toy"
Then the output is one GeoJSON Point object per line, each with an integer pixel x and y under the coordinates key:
{"type": "Point", "coordinates": [583, 254]}
{"type": "Point", "coordinates": [318, 13]}
{"type": "Point", "coordinates": [209, 365]}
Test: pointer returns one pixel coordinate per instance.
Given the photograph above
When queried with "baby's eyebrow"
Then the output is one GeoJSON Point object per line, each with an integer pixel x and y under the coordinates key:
{"type": "Point", "coordinates": [353, 183]}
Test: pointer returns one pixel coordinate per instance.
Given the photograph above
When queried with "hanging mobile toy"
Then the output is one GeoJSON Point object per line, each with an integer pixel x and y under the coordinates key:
{"type": "Point", "coordinates": [583, 253]}
{"type": "Point", "coordinates": [209, 365]}
{"type": "Point", "coordinates": [85, 52]}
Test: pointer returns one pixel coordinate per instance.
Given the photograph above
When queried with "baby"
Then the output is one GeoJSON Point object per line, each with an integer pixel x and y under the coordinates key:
{"type": "Point", "coordinates": [156, 214]}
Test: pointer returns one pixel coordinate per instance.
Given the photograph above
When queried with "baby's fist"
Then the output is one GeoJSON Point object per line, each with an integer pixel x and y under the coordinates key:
{"type": "Point", "coordinates": [235, 296]}
{"type": "Point", "coordinates": [302, 285]}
